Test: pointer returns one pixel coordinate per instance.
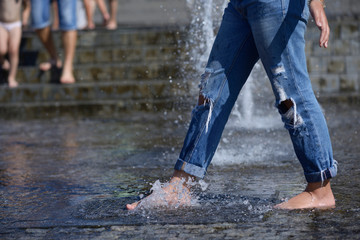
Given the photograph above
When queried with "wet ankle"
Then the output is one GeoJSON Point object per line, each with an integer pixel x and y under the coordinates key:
{"type": "Point", "coordinates": [185, 178]}
{"type": "Point", "coordinates": [318, 186]}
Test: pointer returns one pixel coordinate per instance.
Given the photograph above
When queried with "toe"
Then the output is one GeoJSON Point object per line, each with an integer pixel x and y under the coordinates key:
{"type": "Point", "coordinates": [67, 80]}
{"type": "Point", "coordinates": [132, 206]}
{"type": "Point", "coordinates": [45, 66]}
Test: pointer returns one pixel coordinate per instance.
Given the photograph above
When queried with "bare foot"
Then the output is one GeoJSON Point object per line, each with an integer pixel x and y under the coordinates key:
{"type": "Point", "coordinates": [90, 26]}
{"type": "Point", "coordinates": [46, 66]}
{"type": "Point", "coordinates": [6, 65]}
{"type": "Point", "coordinates": [67, 78]}
{"type": "Point", "coordinates": [13, 83]}
{"type": "Point", "coordinates": [111, 25]}
{"type": "Point", "coordinates": [316, 195]}
{"type": "Point", "coordinates": [106, 19]}
{"type": "Point", "coordinates": [175, 194]}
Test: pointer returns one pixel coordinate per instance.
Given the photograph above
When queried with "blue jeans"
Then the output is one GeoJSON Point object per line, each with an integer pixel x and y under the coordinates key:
{"type": "Point", "coordinates": [272, 30]}
{"type": "Point", "coordinates": [40, 14]}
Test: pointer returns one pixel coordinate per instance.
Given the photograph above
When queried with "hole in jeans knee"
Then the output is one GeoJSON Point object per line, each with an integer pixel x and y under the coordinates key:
{"type": "Point", "coordinates": [285, 105]}
{"type": "Point", "coordinates": [210, 88]}
{"type": "Point", "coordinates": [202, 100]}
{"type": "Point", "coordinates": [290, 116]}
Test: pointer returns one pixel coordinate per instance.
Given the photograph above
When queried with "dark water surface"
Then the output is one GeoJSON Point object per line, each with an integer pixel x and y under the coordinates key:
{"type": "Point", "coordinates": [72, 178]}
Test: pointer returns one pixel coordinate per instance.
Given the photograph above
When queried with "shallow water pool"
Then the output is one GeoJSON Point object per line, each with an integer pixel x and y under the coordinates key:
{"type": "Point", "coordinates": [72, 178]}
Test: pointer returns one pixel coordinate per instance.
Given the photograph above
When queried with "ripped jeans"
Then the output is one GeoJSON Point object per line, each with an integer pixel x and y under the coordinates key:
{"type": "Point", "coordinates": [272, 31]}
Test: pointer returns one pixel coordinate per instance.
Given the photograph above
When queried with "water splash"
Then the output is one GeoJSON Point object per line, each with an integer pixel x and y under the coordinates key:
{"type": "Point", "coordinates": [205, 21]}
{"type": "Point", "coordinates": [171, 195]}
{"type": "Point", "coordinates": [254, 110]}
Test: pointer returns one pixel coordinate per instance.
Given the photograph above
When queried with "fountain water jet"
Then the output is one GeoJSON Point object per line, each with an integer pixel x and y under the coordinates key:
{"type": "Point", "coordinates": [206, 19]}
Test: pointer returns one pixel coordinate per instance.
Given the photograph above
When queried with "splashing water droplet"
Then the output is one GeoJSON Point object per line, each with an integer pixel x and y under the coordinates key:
{"type": "Point", "coordinates": [203, 185]}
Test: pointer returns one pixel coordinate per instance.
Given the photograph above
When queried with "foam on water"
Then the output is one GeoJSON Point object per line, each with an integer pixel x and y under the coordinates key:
{"type": "Point", "coordinates": [204, 203]}
{"type": "Point", "coordinates": [169, 195]}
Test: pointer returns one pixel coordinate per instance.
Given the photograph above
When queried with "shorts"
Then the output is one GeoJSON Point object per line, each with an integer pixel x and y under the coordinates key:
{"type": "Point", "coordinates": [41, 18]}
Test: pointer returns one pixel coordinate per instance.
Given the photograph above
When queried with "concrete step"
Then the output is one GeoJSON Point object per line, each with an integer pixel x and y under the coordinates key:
{"type": "Point", "coordinates": [134, 36]}
{"type": "Point", "coordinates": [125, 69]}
{"type": "Point", "coordinates": [100, 108]}
{"type": "Point", "coordinates": [104, 98]}
{"type": "Point", "coordinates": [99, 72]}
{"type": "Point", "coordinates": [55, 93]}
{"type": "Point", "coordinates": [102, 55]}
{"type": "Point", "coordinates": [104, 46]}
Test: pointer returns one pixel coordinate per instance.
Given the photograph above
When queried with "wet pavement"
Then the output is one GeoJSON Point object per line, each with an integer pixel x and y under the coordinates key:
{"type": "Point", "coordinates": [71, 178]}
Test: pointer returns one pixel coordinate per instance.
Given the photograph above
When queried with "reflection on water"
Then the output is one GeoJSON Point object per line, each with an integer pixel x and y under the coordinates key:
{"type": "Point", "coordinates": [66, 172]}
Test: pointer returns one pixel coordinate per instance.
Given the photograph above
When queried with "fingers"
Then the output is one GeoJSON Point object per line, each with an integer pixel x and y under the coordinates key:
{"type": "Point", "coordinates": [322, 23]}
{"type": "Point", "coordinates": [324, 37]}
{"type": "Point", "coordinates": [318, 13]}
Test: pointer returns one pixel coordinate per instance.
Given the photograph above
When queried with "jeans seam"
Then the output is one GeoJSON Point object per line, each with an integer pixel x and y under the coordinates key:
{"type": "Point", "coordinates": [303, 100]}
{"type": "Point", "coordinates": [237, 54]}
{"type": "Point", "coordinates": [222, 86]}
{"type": "Point", "coordinates": [283, 9]}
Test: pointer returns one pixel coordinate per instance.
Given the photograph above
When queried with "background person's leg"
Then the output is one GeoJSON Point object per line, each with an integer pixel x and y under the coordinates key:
{"type": "Point", "coordinates": [89, 9]}
{"type": "Point", "coordinates": [46, 39]}
{"type": "Point", "coordinates": [68, 26]}
{"type": "Point", "coordinates": [55, 14]}
{"type": "Point", "coordinates": [69, 40]}
{"type": "Point", "coordinates": [40, 20]}
{"type": "Point", "coordinates": [14, 44]}
{"type": "Point", "coordinates": [112, 24]}
{"type": "Point", "coordinates": [4, 39]}
{"type": "Point", "coordinates": [104, 11]}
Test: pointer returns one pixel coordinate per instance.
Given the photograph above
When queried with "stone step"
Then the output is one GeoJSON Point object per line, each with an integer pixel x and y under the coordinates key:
{"type": "Point", "coordinates": [91, 72]}
{"type": "Point", "coordinates": [126, 69]}
{"type": "Point", "coordinates": [103, 46]}
{"type": "Point", "coordinates": [102, 55]}
{"type": "Point", "coordinates": [99, 108]}
{"type": "Point", "coordinates": [135, 36]}
{"type": "Point", "coordinates": [101, 98]}
{"type": "Point", "coordinates": [54, 93]}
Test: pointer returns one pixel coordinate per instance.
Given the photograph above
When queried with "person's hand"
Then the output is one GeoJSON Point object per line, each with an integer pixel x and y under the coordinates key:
{"type": "Point", "coordinates": [318, 13]}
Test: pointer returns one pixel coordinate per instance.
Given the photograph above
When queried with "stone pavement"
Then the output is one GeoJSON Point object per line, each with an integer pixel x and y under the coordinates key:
{"type": "Point", "coordinates": [71, 178]}
{"type": "Point", "coordinates": [151, 231]}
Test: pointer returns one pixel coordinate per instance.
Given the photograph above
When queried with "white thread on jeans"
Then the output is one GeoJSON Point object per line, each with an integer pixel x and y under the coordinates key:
{"type": "Point", "coordinates": [295, 112]}
{"type": "Point", "coordinates": [322, 178]}
{"type": "Point", "coordinates": [209, 115]}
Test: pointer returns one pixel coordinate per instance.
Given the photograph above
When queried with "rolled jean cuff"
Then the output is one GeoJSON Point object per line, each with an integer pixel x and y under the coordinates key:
{"type": "Point", "coordinates": [40, 25]}
{"type": "Point", "coordinates": [323, 175]}
{"type": "Point", "coordinates": [189, 168]}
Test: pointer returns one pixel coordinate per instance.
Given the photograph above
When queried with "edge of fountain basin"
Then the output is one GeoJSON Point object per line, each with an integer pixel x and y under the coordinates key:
{"type": "Point", "coordinates": [112, 109]}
